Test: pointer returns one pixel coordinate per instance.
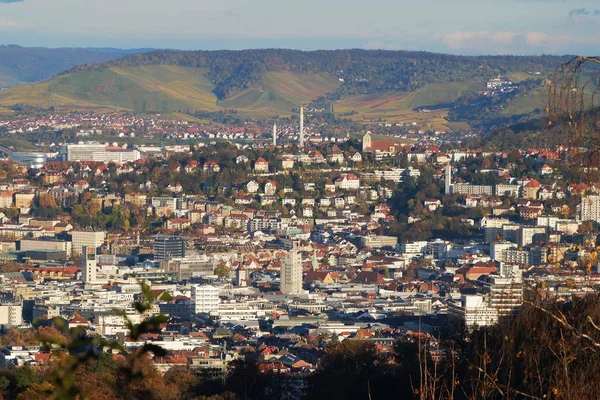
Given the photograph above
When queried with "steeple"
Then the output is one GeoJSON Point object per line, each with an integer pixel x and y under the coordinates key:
{"type": "Point", "coordinates": [314, 261]}
{"type": "Point", "coordinates": [366, 141]}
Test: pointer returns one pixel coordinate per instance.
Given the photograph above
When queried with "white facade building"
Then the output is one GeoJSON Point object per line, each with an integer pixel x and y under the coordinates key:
{"type": "Point", "coordinates": [205, 298]}
{"type": "Point", "coordinates": [474, 311]}
{"type": "Point", "coordinates": [100, 153]}
{"type": "Point", "coordinates": [11, 314]}
{"type": "Point", "coordinates": [347, 182]}
{"type": "Point", "coordinates": [81, 239]}
{"type": "Point", "coordinates": [291, 273]}
{"type": "Point", "coordinates": [88, 265]}
{"type": "Point", "coordinates": [590, 208]}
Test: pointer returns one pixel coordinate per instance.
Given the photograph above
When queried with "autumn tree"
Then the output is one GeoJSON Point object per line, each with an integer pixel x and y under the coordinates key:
{"type": "Point", "coordinates": [222, 270]}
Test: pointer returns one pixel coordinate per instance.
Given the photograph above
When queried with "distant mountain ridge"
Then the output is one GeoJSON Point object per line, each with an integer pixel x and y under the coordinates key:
{"type": "Point", "coordinates": [362, 85]}
{"type": "Point", "coordinates": [20, 65]}
{"type": "Point", "coordinates": [363, 71]}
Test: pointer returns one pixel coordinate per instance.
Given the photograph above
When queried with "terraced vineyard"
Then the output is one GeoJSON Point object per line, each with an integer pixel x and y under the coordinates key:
{"type": "Point", "coordinates": [169, 88]}
{"type": "Point", "coordinates": [421, 106]}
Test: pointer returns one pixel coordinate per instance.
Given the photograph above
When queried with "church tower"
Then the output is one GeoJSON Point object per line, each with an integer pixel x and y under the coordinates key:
{"type": "Point", "coordinates": [241, 276]}
{"type": "Point", "coordinates": [366, 141]}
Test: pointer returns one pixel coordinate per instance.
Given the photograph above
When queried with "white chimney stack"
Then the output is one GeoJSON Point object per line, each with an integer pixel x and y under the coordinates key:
{"type": "Point", "coordinates": [301, 127]}
{"type": "Point", "coordinates": [274, 134]}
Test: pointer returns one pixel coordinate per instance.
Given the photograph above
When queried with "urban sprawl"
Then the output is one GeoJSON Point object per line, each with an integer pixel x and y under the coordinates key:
{"type": "Point", "coordinates": [279, 240]}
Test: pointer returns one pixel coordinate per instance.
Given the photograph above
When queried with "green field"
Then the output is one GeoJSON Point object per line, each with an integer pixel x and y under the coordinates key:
{"type": "Point", "coordinates": [526, 103]}
{"type": "Point", "coordinates": [517, 77]}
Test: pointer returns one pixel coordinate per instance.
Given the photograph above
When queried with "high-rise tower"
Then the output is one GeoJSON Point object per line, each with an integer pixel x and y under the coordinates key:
{"type": "Point", "coordinates": [88, 264]}
{"type": "Point", "coordinates": [291, 273]}
{"type": "Point", "coordinates": [448, 179]}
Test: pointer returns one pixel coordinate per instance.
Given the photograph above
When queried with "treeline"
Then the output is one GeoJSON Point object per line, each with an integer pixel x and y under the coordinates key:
{"type": "Point", "coordinates": [541, 133]}
{"type": "Point", "coordinates": [363, 71]}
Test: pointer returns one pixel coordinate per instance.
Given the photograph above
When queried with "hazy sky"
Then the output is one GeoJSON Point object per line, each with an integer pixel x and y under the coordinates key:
{"type": "Point", "coordinates": [455, 26]}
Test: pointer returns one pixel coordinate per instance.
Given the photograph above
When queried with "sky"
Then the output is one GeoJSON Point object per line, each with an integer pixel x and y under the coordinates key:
{"type": "Point", "coordinates": [449, 26]}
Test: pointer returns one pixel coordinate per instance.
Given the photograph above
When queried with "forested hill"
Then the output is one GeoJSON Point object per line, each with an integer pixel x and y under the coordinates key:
{"type": "Point", "coordinates": [19, 65]}
{"type": "Point", "coordinates": [362, 71]}
{"type": "Point", "coordinates": [437, 92]}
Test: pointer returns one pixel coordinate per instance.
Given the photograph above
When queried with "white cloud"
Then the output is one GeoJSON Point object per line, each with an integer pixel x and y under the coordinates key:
{"type": "Point", "coordinates": [464, 39]}
{"type": "Point", "coordinates": [6, 23]}
{"type": "Point", "coordinates": [512, 42]}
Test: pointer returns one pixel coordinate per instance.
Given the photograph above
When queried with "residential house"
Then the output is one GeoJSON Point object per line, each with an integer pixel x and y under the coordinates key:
{"type": "Point", "coordinates": [252, 187]}
{"type": "Point", "coordinates": [347, 182]}
{"type": "Point", "coordinates": [261, 165]}
{"type": "Point", "coordinates": [211, 167]}
{"type": "Point", "coordinates": [287, 162]}
{"type": "Point", "coordinates": [178, 223]}
{"type": "Point", "coordinates": [270, 187]}
{"type": "Point", "coordinates": [530, 190]}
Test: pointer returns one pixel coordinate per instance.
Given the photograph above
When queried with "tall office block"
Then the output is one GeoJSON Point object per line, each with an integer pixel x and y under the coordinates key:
{"type": "Point", "coordinates": [167, 247]}
{"type": "Point", "coordinates": [291, 273]}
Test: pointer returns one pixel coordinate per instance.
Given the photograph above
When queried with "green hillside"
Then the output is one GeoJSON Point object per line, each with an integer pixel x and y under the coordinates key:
{"type": "Point", "coordinates": [22, 65]}
{"type": "Point", "coordinates": [280, 92]}
{"type": "Point", "coordinates": [363, 85]}
{"type": "Point", "coordinates": [168, 88]}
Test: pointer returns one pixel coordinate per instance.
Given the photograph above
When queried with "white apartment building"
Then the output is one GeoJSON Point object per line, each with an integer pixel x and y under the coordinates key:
{"type": "Point", "coordinates": [527, 233]}
{"type": "Point", "coordinates": [81, 239]}
{"type": "Point", "coordinates": [47, 244]}
{"type": "Point", "coordinates": [83, 152]}
{"type": "Point", "coordinates": [414, 247]}
{"type": "Point", "coordinates": [568, 226]}
{"type": "Point", "coordinates": [493, 228]}
{"type": "Point", "coordinates": [498, 249]}
{"type": "Point", "coordinates": [378, 241]}
{"type": "Point", "coordinates": [205, 298]}
{"type": "Point", "coordinates": [590, 208]}
{"type": "Point", "coordinates": [438, 248]}
{"type": "Point", "coordinates": [474, 311]}
{"type": "Point", "coordinates": [392, 174]}
{"type": "Point", "coordinates": [242, 311]}
{"type": "Point", "coordinates": [507, 190]}
{"type": "Point", "coordinates": [467, 188]}
{"type": "Point", "coordinates": [291, 273]}
{"type": "Point", "coordinates": [11, 314]}
{"type": "Point", "coordinates": [101, 153]}
{"type": "Point", "coordinates": [505, 294]}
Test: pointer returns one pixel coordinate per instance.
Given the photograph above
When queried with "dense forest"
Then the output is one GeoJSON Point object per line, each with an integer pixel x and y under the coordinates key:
{"type": "Point", "coordinates": [362, 71]}
{"type": "Point", "coordinates": [541, 132]}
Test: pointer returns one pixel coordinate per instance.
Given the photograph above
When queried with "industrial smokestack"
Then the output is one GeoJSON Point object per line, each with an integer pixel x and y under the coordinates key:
{"type": "Point", "coordinates": [274, 134]}
{"type": "Point", "coordinates": [301, 126]}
